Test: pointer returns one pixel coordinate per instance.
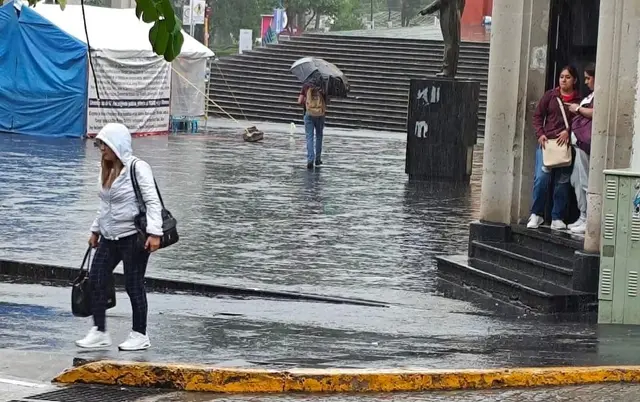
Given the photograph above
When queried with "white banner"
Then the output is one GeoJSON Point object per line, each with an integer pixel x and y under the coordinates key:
{"type": "Point", "coordinates": [134, 91]}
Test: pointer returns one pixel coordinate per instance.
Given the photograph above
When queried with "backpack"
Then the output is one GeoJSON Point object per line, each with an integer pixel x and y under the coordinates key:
{"type": "Point", "coordinates": [315, 103]}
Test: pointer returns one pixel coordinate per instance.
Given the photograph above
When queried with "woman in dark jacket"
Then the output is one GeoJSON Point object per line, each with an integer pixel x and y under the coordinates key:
{"type": "Point", "coordinates": [549, 123]}
{"type": "Point", "coordinates": [581, 139]}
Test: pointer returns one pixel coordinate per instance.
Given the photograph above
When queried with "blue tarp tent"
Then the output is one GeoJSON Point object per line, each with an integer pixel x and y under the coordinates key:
{"type": "Point", "coordinates": [43, 89]}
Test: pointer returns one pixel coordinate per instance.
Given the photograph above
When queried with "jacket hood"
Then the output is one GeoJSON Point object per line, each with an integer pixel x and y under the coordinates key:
{"type": "Point", "coordinates": [117, 137]}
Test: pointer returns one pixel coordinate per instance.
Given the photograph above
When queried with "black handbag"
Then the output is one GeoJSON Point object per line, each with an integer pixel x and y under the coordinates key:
{"type": "Point", "coordinates": [169, 224]}
{"type": "Point", "coordinates": [81, 290]}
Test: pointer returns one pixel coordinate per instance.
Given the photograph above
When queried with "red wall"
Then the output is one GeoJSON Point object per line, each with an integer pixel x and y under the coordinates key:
{"type": "Point", "coordinates": [474, 10]}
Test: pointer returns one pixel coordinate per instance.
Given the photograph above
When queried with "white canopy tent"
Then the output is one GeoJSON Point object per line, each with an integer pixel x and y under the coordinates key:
{"type": "Point", "coordinates": [135, 85]}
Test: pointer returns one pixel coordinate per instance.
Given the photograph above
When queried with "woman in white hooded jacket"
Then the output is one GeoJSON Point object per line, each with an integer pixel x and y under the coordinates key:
{"type": "Point", "coordinates": [114, 234]}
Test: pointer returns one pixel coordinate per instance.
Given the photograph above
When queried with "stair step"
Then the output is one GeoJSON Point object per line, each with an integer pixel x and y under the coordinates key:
{"type": "Point", "coordinates": [291, 52]}
{"type": "Point", "coordinates": [499, 254]}
{"type": "Point", "coordinates": [554, 299]}
{"type": "Point", "coordinates": [337, 105]}
{"type": "Point", "coordinates": [384, 42]}
{"type": "Point", "coordinates": [520, 277]}
{"type": "Point", "coordinates": [544, 239]}
{"type": "Point", "coordinates": [258, 84]}
{"type": "Point", "coordinates": [355, 72]}
{"type": "Point", "coordinates": [259, 113]}
{"type": "Point", "coordinates": [372, 114]}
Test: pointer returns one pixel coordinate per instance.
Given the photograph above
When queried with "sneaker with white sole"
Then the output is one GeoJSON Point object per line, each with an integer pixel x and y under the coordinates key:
{"type": "Point", "coordinates": [580, 222]}
{"type": "Point", "coordinates": [579, 229]}
{"type": "Point", "coordinates": [557, 224]}
{"type": "Point", "coordinates": [95, 339]}
{"type": "Point", "coordinates": [135, 341]}
{"type": "Point", "coordinates": [535, 221]}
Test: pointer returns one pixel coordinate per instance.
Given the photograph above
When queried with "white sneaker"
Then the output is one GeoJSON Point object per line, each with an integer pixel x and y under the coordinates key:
{"type": "Point", "coordinates": [95, 339]}
{"type": "Point", "coordinates": [580, 222]}
{"type": "Point", "coordinates": [135, 341]}
{"type": "Point", "coordinates": [579, 229]}
{"type": "Point", "coordinates": [558, 225]}
{"type": "Point", "coordinates": [535, 221]}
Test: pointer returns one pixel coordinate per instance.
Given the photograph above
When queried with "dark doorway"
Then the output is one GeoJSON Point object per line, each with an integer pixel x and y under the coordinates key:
{"type": "Point", "coordinates": [573, 37]}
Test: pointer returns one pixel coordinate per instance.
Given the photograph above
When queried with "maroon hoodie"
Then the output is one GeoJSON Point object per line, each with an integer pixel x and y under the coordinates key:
{"type": "Point", "coordinates": [547, 119]}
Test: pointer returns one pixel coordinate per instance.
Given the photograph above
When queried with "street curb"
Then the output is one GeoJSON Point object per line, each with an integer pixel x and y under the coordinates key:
{"type": "Point", "coordinates": [202, 378]}
{"type": "Point", "coordinates": [64, 276]}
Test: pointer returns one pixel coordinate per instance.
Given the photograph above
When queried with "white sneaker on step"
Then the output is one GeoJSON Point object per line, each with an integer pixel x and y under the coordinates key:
{"type": "Point", "coordinates": [558, 225]}
{"type": "Point", "coordinates": [95, 339]}
{"type": "Point", "coordinates": [579, 229]}
{"type": "Point", "coordinates": [580, 222]}
{"type": "Point", "coordinates": [135, 341]}
{"type": "Point", "coordinates": [535, 221]}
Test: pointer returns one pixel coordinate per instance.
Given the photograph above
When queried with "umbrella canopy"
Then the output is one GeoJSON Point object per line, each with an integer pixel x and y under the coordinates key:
{"type": "Point", "coordinates": [306, 66]}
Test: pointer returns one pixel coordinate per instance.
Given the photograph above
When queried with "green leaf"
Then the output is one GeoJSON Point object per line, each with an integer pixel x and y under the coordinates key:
{"type": "Point", "coordinates": [162, 39]}
{"type": "Point", "coordinates": [147, 10]}
{"type": "Point", "coordinates": [153, 34]}
{"type": "Point", "coordinates": [138, 10]}
{"type": "Point", "coordinates": [63, 4]}
{"type": "Point", "coordinates": [177, 26]}
{"type": "Point", "coordinates": [167, 11]}
{"type": "Point", "coordinates": [169, 53]}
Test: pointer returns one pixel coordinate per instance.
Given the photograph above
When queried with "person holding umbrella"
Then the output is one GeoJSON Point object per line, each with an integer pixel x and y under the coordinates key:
{"type": "Point", "coordinates": [320, 79]}
{"type": "Point", "coordinates": [314, 100]}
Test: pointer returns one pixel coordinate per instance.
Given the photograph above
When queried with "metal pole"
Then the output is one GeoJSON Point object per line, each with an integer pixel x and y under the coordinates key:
{"type": "Point", "coordinates": [192, 26]}
{"type": "Point", "coordinates": [371, 14]}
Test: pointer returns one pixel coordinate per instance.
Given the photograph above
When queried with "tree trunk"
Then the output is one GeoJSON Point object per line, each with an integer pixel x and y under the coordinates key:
{"type": "Point", "coordinates": [318, 15]}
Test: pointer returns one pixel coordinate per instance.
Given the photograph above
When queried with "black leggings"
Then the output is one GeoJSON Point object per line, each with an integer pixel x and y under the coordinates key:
{"type": "Point", "coordinates": [131, 252]}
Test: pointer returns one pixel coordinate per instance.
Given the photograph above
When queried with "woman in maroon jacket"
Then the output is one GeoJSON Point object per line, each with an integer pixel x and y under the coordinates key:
{"type": "Point", "coordinates": [548, 123]}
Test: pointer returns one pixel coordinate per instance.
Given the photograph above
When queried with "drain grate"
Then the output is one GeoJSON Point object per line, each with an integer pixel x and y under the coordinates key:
{"type": "Point", "coordinates": [84, 393]}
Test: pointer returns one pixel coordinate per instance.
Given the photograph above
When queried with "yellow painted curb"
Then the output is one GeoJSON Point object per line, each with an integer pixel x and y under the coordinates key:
{"type": "Point", "coordinates": [229, 380]}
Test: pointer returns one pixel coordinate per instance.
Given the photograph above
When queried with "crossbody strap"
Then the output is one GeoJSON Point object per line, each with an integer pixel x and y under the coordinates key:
{"type": "Point", "coordinates": [564, 114]}
{"type": "Point", "coordinates": [136, 188]}
{"type": "Point", "coordinates": [86, 261]}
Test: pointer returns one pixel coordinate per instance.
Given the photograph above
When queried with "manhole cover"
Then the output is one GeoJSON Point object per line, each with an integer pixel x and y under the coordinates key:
{"type": "Point", "coordinates": [81, 393]}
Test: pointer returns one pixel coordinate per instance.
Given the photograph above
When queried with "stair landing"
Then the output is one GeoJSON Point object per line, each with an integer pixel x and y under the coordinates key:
{"type": "Point", "coordinates": [470, 33]}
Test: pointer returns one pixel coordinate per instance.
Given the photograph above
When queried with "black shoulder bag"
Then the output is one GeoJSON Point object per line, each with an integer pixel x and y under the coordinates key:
{"type": "Point", "coordinates": [81, 290]}
{"type": "Point", "coordinates": [169, 223]}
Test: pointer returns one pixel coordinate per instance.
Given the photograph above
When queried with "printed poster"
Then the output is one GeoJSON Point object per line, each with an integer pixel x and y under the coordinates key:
{"type": "Point", "coordinates": [134, 91]}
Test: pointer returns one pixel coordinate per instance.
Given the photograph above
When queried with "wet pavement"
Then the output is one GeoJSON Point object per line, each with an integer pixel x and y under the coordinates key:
{"type": "Point", "coordinates": [253, 215]}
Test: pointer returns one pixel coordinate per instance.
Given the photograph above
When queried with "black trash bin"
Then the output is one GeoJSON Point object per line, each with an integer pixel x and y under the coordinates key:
{"type": "Point", "coordinates": [442, 128]}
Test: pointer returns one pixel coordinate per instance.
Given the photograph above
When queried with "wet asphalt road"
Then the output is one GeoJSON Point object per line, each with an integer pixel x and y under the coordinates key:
{"type": "Point", "coordinates": [252, 215]}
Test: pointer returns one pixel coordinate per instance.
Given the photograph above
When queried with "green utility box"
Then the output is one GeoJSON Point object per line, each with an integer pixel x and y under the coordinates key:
{"type": "Point", "coordinates": [618, 291]}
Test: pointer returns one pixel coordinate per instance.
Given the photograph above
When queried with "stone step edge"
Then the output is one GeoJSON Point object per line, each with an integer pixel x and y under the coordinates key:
{"type": "Point", "coordinates": [203, 378]}
{"type": "Point", "coordinates": [58, 275]}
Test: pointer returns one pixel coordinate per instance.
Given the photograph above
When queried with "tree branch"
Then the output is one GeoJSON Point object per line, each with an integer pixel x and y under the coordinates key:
{"type": "Point", "coordinates": [310, 19]}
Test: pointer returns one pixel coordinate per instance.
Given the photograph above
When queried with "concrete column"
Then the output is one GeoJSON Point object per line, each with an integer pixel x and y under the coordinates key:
{"type": "Point", "coordinates": [614, 104]}
{"type": "Point", "coordinates": [517, 65]}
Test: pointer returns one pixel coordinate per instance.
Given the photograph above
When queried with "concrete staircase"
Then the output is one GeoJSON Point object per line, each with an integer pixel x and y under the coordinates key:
{"type": "Point", "coordinates": [257, 85]}
{"type": "Point", "coordinates": [530, 272]}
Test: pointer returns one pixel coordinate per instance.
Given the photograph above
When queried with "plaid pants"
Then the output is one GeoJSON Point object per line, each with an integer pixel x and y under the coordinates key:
{"type": "Point", "coordinates": [134, 258]}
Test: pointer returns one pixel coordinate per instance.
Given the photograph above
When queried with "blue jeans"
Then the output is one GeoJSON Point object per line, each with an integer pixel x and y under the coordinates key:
{"type": "Point", "coordinates": [311, 123]}
{"type": "Point", "coordinates": [562, 177]}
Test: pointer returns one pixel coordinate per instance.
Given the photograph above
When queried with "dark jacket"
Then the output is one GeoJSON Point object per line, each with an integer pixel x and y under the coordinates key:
{"type": "Point", "coordinates": [547, 119]}
{"type": "Point", "coordinates": [581, 127]}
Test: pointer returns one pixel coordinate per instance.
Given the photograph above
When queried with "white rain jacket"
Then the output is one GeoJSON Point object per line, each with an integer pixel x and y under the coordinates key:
{"type": "Point", "coordinates": [118, 205]}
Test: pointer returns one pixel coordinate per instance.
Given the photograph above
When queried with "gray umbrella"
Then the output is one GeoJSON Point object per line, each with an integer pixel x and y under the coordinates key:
{"type": "Point", "coordinates": [306, 66]}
